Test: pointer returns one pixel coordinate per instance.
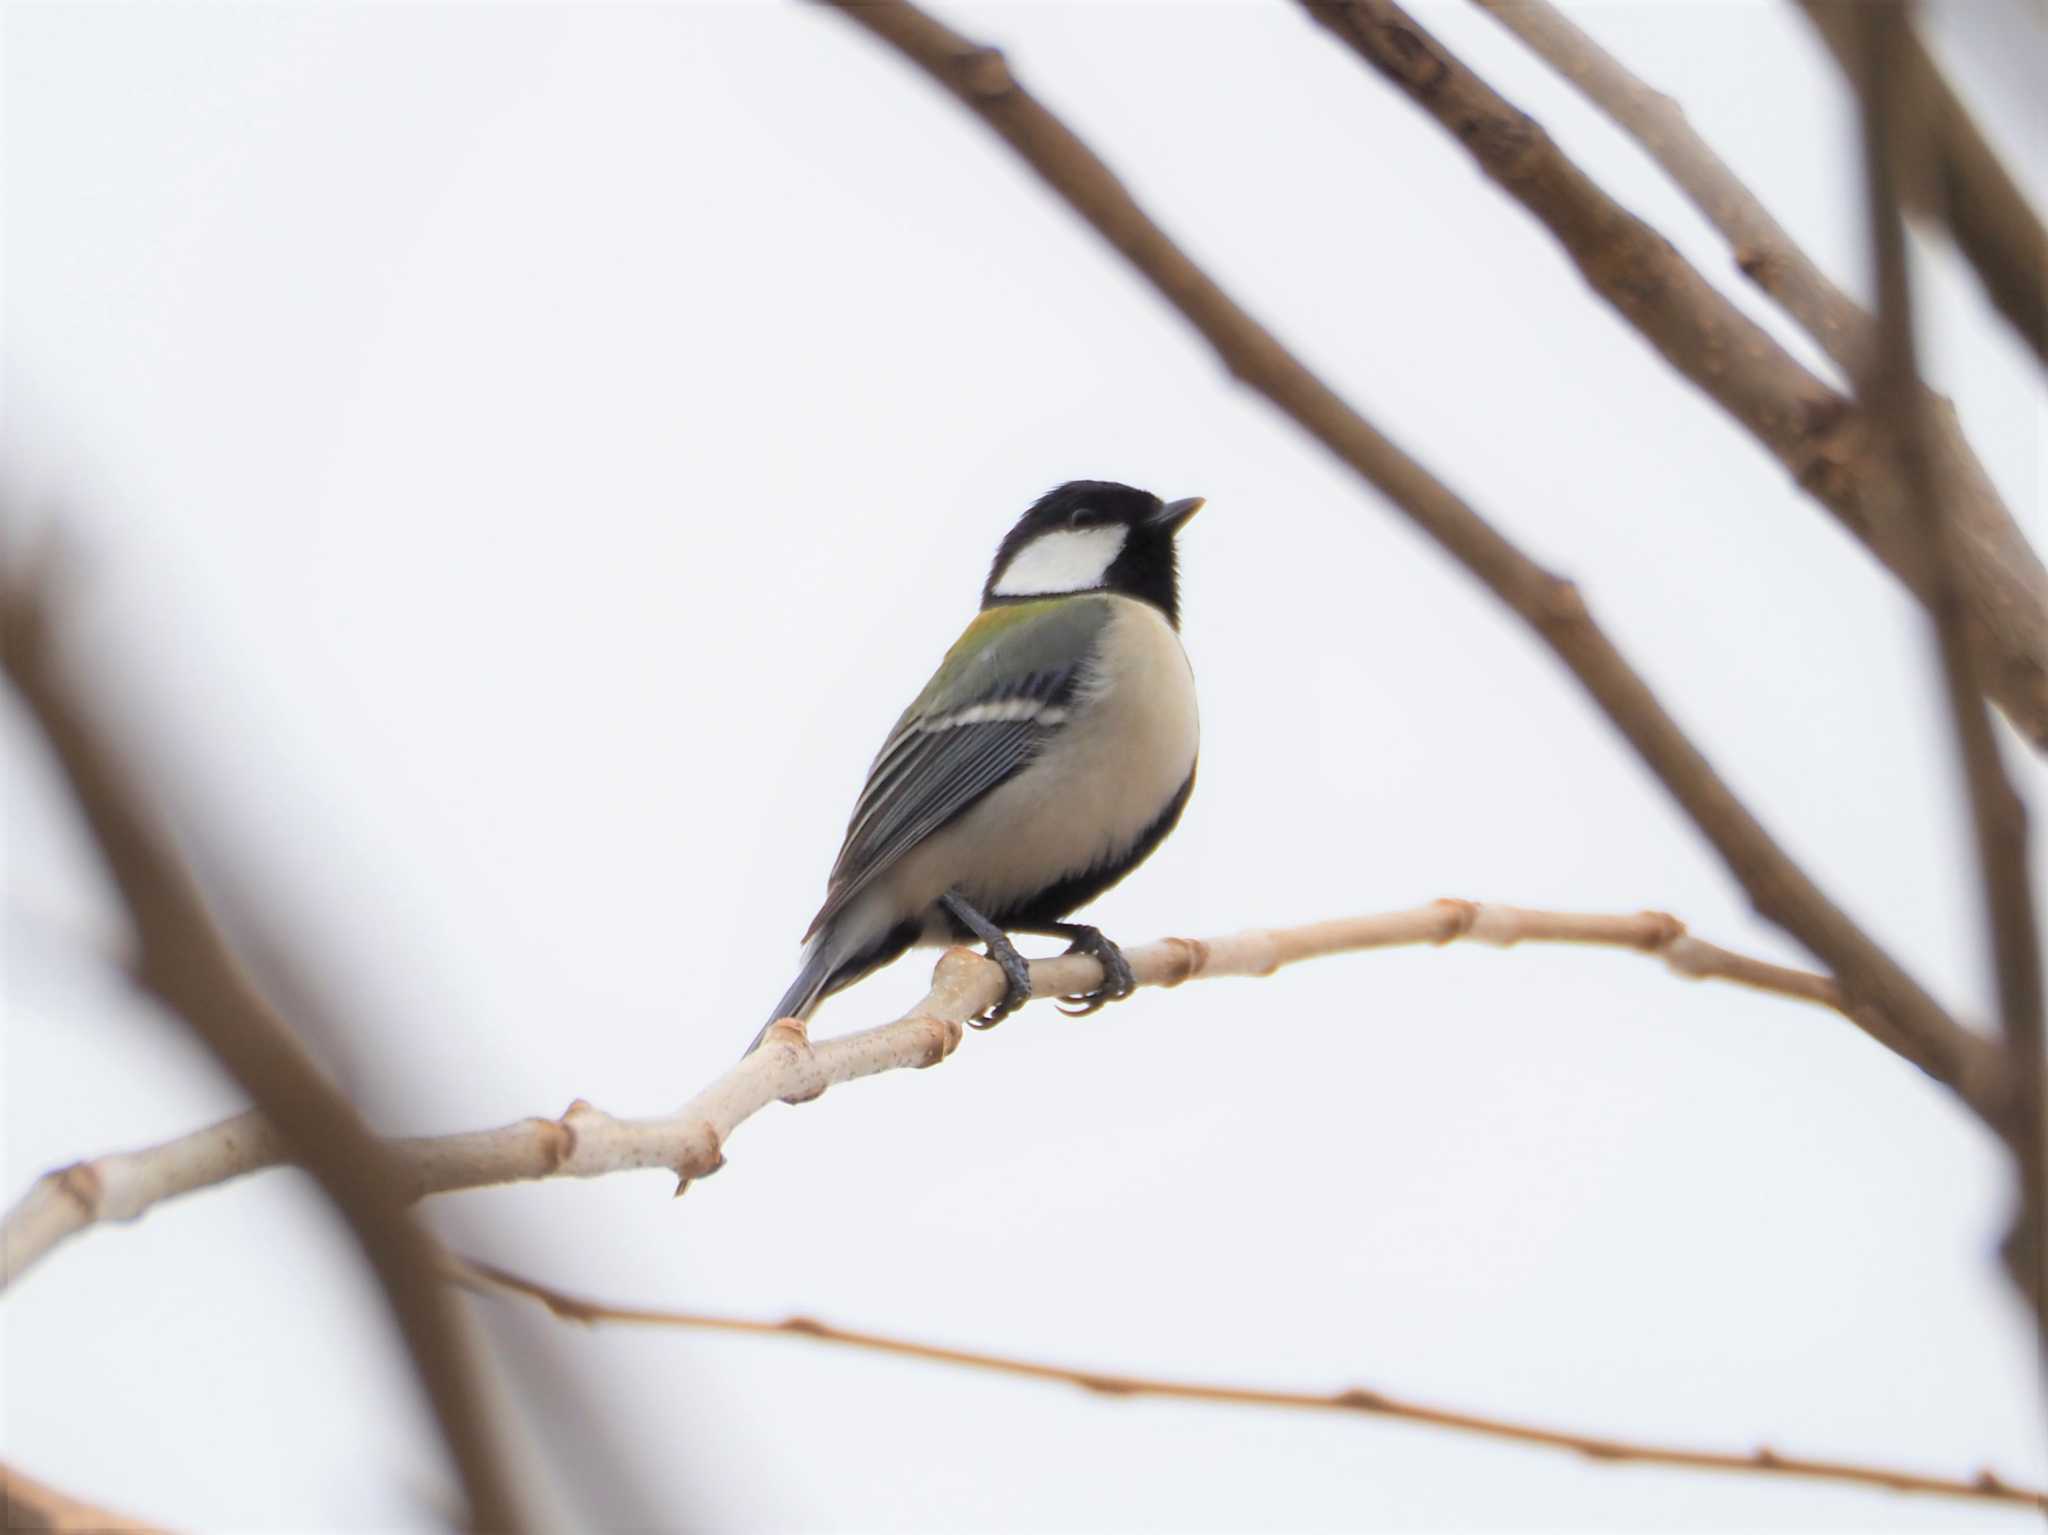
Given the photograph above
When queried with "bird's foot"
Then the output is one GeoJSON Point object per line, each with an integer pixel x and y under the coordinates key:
{"type": "Point", "coordinates": [1016, 970]}
{"type": "Point", "coordinates": [1017, 978]}
{"type": "Point", "coordinates": [1117, 980]}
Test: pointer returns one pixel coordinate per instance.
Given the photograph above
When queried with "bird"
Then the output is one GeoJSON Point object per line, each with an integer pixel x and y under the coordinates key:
{"type": "Point", "coordinates": [1048, 756]}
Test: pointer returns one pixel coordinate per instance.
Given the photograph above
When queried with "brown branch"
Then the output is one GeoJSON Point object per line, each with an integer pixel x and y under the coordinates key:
{"type": "Point", "coordinates": [1824, 441]}
{"type": "Point", "coordinates": [1962, 182]}
{"type": "Point", "coordinates": [1993, 562]}
{"type": "Point", "coordinates": [1894, 140]}
{"type": "Point", "coordinates": [981, 80]}
{"type": "Point", "coordinates": [1988, 1486]}
{"type": "Point", "coordinates": [586, 1142]}
{"type": "Point", "coordinates": [1764, 252]}
{"type": "Point", "coordinates": [27, 1504]}
{"type": "Point", "coordinates": [185, 962]}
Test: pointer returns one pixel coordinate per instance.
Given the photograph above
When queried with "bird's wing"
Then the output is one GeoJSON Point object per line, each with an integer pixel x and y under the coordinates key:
{"type": "Point", "coordinates": [1002, 691]}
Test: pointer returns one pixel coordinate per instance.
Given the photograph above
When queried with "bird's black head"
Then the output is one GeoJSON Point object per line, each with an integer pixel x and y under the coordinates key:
{"type": "Point", "coordinates": [1093, 536]}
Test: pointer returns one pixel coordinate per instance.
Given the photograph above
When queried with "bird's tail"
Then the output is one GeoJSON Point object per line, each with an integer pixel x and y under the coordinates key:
{"type": "Point", "coordinates": [805, 990]}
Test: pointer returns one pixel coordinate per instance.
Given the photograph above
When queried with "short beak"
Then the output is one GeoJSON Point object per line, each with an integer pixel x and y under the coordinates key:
{"type": "Point", "coordinates": [1174, 515]}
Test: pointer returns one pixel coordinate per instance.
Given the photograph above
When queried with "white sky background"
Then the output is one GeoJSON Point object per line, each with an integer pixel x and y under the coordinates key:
{"type": "Point", "coordinates": [524, 458]}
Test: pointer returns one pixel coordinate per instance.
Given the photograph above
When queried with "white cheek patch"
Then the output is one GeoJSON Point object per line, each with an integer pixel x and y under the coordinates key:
{"type": "Point", "coordinates": [1064, 560]}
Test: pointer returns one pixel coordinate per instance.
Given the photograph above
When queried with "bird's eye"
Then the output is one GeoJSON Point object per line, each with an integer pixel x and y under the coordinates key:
{"type": "Point", "coordinates": [1077, 516]}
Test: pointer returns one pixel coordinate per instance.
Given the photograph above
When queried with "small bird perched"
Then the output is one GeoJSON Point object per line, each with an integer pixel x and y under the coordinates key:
{"type": "Point", "coordinates": [1051, 752]}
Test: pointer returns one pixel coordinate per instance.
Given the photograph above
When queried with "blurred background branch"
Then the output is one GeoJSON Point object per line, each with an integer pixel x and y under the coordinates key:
{"type": "Point", "coordinates": [1763, 251]}
{"type": "Point", "coordinates": [1821, 438]}
{"type": "Point", "coordinates": [1826, 443]}
{"type": "Point", "coordinates": [1895, 84]}
{"type": "Point", "coordinates": [183, 960]}
{"type": "Point", "coordinates": [1960, 182]}
{"type": "Point", "coordinates": [27, 1504]}
{"type": "Point", "coordinates": [1987, 1485]}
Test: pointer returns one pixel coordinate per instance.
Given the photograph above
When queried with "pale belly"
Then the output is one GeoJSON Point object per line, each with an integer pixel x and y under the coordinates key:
{"type": "Point", "coordinates": [1085, 803]}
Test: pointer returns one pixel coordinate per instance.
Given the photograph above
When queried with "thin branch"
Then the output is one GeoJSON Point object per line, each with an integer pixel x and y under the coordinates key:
{"type": "Point", "coordinates": [1894, 129]}
{"type": "Point", "coordinates": [1962, 183]}
{"type": "Point", "coordinates": [979, 78]}
{"type": "Point", "coordinates": [27, 1504]}
{"type": "Point", "coordinates": [185, 962]}
{"type": "Point", "coordinates": [1764, 252]}
{"type": "Point", "coordinates": [1986, 1486]}
{"type": "Point", "coordinates": [1994, 563]}
{"type": "Point", "coordinates": [1824, 441]}
{"type": "Point", "coordinates": [585, 1142]}
{"type": "Point", "coordinates": [125, 1185]}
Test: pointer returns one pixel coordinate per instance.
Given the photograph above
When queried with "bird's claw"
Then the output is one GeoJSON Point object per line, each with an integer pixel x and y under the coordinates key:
{"type": "Point", "coordinates": [1117, 980]}
{"type": "Point", "coordinates": [1017, 986]}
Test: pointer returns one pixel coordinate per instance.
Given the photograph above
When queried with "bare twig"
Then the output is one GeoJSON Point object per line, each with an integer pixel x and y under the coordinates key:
{"type": "Point", "coordinates": [184, 960]}
{"type": "Point", "coordinates": [1999, 574]}
{"type": "Point", "coordinates": [1824, 441]}
{"type": "Point", "coordinates": [1764, 252]}
{"type": "Point", "coordinates": [585, 1142]}
{"type": "Point", "coordinates": [125, 1185]}
{"type": "Point", "coordinates": [1962, 183]}
{"type": "Point", "coordinates": [1922, 1031]}
{"type": "Point", "coordinates": [1894, 129]}
{"type": "Point", "coordinates": [1988, 1486]}
{"type": "Point", "coordinates": [27, 1504]}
